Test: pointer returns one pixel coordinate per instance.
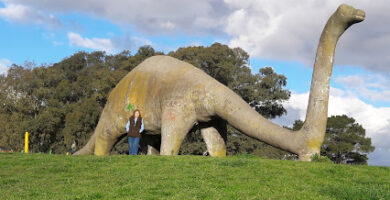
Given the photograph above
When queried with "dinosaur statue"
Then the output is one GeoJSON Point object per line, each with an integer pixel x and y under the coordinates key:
{"type": "Point", "coordinates": [174, 96]}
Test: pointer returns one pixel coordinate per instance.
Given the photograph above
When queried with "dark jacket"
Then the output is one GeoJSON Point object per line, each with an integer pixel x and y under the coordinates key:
{"type": "Point", "coordinates": [135, 127]}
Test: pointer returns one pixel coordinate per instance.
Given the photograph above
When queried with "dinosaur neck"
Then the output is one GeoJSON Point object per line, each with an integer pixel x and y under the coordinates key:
{"type": "Point", "coordinates": [308, 140]}
{"type": "Point", "coordinates": [317, 110]}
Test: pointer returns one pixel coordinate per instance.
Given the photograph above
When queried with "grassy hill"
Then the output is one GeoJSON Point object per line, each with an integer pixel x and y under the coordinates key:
{"type": "Point", "coordinates": [42, 176]}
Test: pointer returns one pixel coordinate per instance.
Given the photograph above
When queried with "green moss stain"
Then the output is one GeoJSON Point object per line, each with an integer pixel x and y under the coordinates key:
{"type": "Point", "coordinates": [130, 107]}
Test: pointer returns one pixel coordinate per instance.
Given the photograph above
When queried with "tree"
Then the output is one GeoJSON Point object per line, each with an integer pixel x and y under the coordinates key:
{"type": "Point", "coordinates": [264, 91]}
{"type": "Point", "coordinates": [345, 140]}
{"type": "Point", "coordinates": [60, 104]}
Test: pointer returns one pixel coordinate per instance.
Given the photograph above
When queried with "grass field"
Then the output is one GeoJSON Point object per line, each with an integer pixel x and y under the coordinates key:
{"type": "Point", "coordinates": [43, 176]}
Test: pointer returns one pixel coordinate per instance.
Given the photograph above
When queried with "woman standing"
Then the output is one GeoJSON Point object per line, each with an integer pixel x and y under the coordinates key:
{"type": "Point", "coordinates": [134, 127]}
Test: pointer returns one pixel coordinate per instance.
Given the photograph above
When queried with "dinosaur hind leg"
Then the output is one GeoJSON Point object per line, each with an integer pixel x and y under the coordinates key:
{"type": "Point", "coordinates": [174, 127]}
{"type": "Point", "coordinates": [215, 137]}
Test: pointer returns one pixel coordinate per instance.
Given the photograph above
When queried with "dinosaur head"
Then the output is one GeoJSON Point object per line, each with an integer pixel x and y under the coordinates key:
{"type": "Point", "coordinates": [349, 15]}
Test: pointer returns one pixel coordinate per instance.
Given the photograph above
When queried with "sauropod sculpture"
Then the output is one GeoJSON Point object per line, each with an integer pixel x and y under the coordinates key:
{"type": "Point", "coordinates": [174, 96]}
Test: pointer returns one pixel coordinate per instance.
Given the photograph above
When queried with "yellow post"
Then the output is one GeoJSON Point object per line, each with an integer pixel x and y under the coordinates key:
{"type": "Point", "coordinates": [26, 143]}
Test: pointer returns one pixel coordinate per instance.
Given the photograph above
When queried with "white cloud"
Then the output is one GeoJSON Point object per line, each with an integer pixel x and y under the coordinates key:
{"type": "Point", "coordinates": [24, 14]}
{"type": "Point", "coordinates": [351, 80]}
{"type": "Point", "coordinates": [287, 30]}
{"type": "Point", "coordinates": [374, 87]}
{"type": "Point", "coordinates": [168, 25]}
{"type": "Point", "coordinates": [290, 30]}
{"type": "Point", "coordinates": [4, 65]}
{"type": "Point", "coordinates": [278, 30]}
{"type": "Point", "coordinates": [153, 17]}
{"type": "Point", "coordinates": [109, 45]}
{"type": "Point", "coordinates": [101, 44]}
{"type": "Point", "coordinates": [376, 121]}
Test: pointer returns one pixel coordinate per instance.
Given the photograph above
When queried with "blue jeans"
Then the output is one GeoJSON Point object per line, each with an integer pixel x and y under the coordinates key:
{"type": "Point", "coordinates": [133, 145]}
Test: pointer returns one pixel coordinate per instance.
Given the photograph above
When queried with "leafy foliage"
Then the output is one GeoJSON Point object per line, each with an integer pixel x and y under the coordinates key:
{"type": "Point", "coordinates": [60, 104]}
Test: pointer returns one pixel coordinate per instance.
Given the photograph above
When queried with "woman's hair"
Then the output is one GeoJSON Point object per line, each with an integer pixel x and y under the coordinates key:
{"type": "Point", "coordinates": [136, 110]}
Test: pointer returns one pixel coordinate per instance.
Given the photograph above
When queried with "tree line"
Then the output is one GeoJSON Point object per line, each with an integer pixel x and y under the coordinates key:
{"type": "Point", "coordinates": [60, 104]}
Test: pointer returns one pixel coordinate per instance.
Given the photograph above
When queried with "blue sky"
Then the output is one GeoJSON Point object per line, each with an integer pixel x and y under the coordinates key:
{"type": "Point", "coordinates": [45, 32]}
{"type": "Point", "coordinates": [41, 45]}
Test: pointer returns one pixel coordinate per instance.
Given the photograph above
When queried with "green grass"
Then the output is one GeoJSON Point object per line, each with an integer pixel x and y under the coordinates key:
{"type": "Point", "coordinates": [43, 176]}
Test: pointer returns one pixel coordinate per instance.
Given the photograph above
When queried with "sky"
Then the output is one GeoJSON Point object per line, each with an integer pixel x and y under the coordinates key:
{"type": "Point", "coordinates": [281, 34]}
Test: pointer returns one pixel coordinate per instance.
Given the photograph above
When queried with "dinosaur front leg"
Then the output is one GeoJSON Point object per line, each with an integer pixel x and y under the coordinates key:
{"type": "Point", "coordinates": [104, 142]}
{"type": "Point", "coordinates": [174, 127]}
{"type": "Point", "coordinates": [108, 130]}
